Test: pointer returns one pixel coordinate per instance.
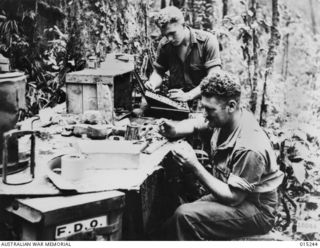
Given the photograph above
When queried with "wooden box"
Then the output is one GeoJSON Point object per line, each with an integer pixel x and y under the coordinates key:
{"type": "Point", "coordinates": [102, 89]}
{"type": "Point", "coordinates": [95, 216]}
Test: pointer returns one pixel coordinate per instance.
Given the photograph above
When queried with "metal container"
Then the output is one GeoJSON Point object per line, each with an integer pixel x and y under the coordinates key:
{"type": "Point", "coordinates": [22, 171]}
{"type": "Point", "coordinates": [12, 98]}
{"type": "Point", "coordinates": [92, 62]}
{"type": "Point", "coordinates": [4, 64]}
{"type": "Point", "coordinates": [132, 132]}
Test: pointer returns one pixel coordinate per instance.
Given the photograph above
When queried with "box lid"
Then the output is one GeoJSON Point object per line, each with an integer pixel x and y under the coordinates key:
{"type": "Point", "coordinates": [110, 146]}
{"type": "Point", "coordinates": [11, 75]}
{"type": "Point", "coordinates": [110, 68]}
{"type": "Point", "coordinates": [57, 209]}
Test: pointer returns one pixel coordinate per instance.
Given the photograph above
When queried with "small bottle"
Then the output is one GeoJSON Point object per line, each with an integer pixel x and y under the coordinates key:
{"type": "Point", "coordinates": [4, 64]}
{"type": "Point", "coordinates": [92, 62]}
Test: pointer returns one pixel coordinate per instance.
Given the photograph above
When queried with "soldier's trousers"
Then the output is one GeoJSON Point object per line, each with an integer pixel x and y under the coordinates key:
{"type": "Point", "coordinates": [207, 219]}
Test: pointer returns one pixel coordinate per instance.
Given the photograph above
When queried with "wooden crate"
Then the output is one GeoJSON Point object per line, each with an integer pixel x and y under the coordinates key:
{"type": "Point", "coordinates": [147, 208]}
{"type": "Point", "coordinates": [95, 216]}
{"type": "Point", "coordinates": [102, 89]}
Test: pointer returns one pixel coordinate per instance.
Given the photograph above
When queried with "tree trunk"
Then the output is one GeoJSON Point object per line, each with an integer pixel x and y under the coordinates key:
{"type": "Point", "coordinates": [313, 19]}
{"type": "Point", "coordinates": [224, 8]}
{"type": "Point", "coordinates": [285, 58]}
{"type": "Point", "coordinates": [163, 4]}
{"type": "Point", "coordinates": [273, 42]}
{"type": "Point", "coordinates": [192, 8]}
{"type": "Point", "coordinates": [285, 63]}
{"type": "Point", "coordinates": [211, 15]}
{"type": "Point", "coordinates": [254, 93]}
{"type": "Point", "coordinates": [177, 3]}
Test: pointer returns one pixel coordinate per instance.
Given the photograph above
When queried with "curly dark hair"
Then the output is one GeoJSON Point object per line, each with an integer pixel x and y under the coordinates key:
{"type": "Point", "coordinates": [222, 85]}
{"type": "Point", "coordinates": [168, 15]}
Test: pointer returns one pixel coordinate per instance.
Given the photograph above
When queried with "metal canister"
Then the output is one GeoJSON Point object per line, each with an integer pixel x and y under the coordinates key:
{"type": "Point", "coordinates": [92, 62]}
{"type": "Point", "coordinates": [12, 98]}
{"type": "Point", "coordinates": [4, 64]}
{"type": "Point", "coordinates": [132, 132]}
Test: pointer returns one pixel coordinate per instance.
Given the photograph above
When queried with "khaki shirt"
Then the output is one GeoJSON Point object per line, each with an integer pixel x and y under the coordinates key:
{"type": "Point", "coordinates": [202, 54]}
{"type": "Point", "coordinates": [245, 160]}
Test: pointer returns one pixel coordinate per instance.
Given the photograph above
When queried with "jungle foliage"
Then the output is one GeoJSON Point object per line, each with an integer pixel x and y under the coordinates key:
{"type": "Point", "coordinates": [273, 47]}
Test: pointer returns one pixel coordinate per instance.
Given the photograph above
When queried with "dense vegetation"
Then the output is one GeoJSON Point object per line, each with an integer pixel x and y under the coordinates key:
{"type": "Point", "coordinates": [273, 46]}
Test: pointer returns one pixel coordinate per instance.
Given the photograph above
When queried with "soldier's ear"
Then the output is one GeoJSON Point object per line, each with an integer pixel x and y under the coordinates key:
{"type": "Point", "coordinates": [232, 105]}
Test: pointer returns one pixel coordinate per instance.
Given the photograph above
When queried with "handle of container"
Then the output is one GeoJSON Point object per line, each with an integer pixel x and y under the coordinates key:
{"type": "Point", "coordinates": [17, 134]}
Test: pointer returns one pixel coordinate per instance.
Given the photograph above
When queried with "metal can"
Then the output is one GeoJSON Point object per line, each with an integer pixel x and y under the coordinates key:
{"type": "Point", "coordinates": [132, 132]}
{"type": "Point", "coordinates": [92, 62]}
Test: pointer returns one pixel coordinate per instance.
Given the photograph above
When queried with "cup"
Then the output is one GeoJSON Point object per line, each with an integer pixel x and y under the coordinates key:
{"type": "Point", "coordinates": [72, 167]}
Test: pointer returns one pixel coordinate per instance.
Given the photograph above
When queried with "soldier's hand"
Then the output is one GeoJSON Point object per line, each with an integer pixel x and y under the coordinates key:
{"type": "Point", "coordinates": [184, 155]}
{"type": "Point", "coordinates": [166, 128]}
{"type": "Point", "coordinates": [178, 95]}
{"type": "Point", "coordinates": [150, 86]}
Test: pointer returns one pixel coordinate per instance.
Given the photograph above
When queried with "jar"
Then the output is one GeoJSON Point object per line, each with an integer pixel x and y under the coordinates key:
{"type": "Point", "coordinates": [92, 62]}
{"type": "Point", "coordinates": [4, 64]}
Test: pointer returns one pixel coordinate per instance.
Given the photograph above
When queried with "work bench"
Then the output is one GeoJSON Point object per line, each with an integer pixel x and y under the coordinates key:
{"type": "Point", "coordinates": [137, 198]}
{"type": "Point", "coordinates": [43, 211]}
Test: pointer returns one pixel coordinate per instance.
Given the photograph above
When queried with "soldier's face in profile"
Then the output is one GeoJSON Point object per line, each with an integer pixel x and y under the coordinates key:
{"type": "Point", "coordinates": [216, 111]}
{"type": "Point", "coordinates": [174, 33]}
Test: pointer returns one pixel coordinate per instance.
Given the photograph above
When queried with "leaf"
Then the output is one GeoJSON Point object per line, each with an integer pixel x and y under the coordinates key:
{"type": "Point", "coordinates": [299, 171]}
{"type": "Point", "coordinates": [55, 67]}
{"type": "Point", "coordinates": [301, 151]}
{"type": "Point", "coordinates": [3, 18]}
{"type": "Point", "coordinates": [307, 187]}
{"type": "Point", "coordinates": [243, 3]}
{"type": "Point", "coordinates": [299, 135]}
{"type": "Point", "coordinates": [33, 84]}
{"type": "Point", "coordinates": [250, 13]}
{"type": "Point", "coordinates": [5, 27]}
